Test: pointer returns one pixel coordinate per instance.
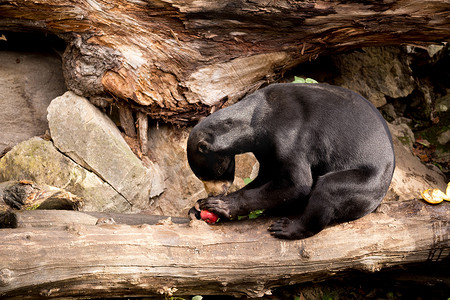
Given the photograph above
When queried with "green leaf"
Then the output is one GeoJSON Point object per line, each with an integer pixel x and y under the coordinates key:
{"type": "Point", "coordinates": [310, 80]}
{"type": "Point", "coordinates": [252, 215]}
{"type": "Point", "coordinates": [298, 80]}
{"type": "Point", "coordinates": [256, 213]}
{"type": "Point", "coordinates": [303, 80]}
{"type": "Point", "coordinates": [423, 142]}
{"type": "Point", "coordinates": [197, 297]}
{"type": "Point", "coordinates": [247, 180]}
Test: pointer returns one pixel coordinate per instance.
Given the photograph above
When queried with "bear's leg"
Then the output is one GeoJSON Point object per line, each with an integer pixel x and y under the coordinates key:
{"type": "Point", "coordinates": [336, 197]}
{"type": "Point", "coordinates": [265, 196]}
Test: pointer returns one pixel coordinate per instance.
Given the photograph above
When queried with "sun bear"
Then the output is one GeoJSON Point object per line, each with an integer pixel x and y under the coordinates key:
{"type": "Point", "coordinates": [325, 154]}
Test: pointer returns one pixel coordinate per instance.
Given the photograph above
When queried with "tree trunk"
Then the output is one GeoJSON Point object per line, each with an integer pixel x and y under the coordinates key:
{"type": "Point", "coordinates": [177, 60]}
{"type": "Point", "coordinates": [72, 257]}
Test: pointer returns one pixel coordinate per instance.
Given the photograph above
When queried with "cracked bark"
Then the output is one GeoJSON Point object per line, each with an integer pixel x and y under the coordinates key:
{"type": "Point", "coordinates": [178, 60]}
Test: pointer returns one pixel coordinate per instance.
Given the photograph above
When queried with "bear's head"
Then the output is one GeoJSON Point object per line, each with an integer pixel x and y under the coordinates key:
{"type": "Point", "coordinates": [214, 168]}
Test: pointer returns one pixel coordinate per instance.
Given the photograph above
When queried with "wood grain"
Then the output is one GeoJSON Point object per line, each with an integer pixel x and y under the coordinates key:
{"type": "Point", "coordinates": [177, 60]}
{"type": "Point", "coordinates": [238, 258]}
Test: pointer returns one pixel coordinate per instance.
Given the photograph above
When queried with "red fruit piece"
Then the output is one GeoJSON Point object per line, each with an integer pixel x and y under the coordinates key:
{"type": "Point", "coordinates": [208, 217]}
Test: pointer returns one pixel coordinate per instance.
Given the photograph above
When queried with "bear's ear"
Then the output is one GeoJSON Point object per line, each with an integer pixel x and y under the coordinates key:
{"type": "Point", "coordinates": [203, 146]}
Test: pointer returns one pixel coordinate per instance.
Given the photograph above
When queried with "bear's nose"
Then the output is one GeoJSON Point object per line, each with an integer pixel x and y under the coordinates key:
{"type": "Point", "coordinates": [217, 187]}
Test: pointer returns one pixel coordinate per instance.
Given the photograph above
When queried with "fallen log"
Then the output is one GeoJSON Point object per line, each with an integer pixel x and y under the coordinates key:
{"type": "Point", "coordinates": [177, 60]}
{"type": "Point", "coordinates": [64, 218]}
{"type": "Point", "coordinates": [235, 258]}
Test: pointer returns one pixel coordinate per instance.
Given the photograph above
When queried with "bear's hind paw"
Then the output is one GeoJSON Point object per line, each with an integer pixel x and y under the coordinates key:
{"type": "Point", "coordinates": [290, 229]}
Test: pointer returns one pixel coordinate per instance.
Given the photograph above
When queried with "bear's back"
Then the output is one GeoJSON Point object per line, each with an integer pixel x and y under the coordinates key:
{"type": "Point", "coordinates": [330, 121]}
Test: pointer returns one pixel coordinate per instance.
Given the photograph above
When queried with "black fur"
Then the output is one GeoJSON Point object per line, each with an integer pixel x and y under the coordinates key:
{"type": "Point", "coordinates": [325, 156]}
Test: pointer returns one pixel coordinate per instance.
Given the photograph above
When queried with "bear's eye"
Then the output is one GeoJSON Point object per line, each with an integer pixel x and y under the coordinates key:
{"type": "Point", "coordinates": [203, 147]}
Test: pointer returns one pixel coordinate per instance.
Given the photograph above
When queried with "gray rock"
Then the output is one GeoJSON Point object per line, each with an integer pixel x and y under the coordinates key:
{"type": "Point", "coordinates": [388, 112]}
{"type": "Point", "coordinates": [402, 132]}
{"type": "Point", "coordinates": [443, 103]}
{"type": "Point", "coordinates": [38, 160]}
{"type": "Point", "coordinates": [411, 176]}
{"type": "Point", "coordinates": [91, 139]}
{"type": "Point", "coordinates": [375, 73]}
{"type": "Point", "coordinates": [444, 137]}
{"type": "Point", "coordinates": [29, 81]}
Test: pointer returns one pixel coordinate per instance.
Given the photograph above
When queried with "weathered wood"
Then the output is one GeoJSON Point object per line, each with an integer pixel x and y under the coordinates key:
{"type": "Point", "coordinates": [177, 60]}
{"type": "Point", "coordinates": [44, 218]}
{"type": "Point", "coordinates": [142, 121]}
{"type": "Point", "coordinates": [27, 195]}
{"type": "Point", "coordinates": [53, 218]}
{"type": "Point", "coordinates": [231, 258]}
{"type": "Point", "coordinates": [126, 119]}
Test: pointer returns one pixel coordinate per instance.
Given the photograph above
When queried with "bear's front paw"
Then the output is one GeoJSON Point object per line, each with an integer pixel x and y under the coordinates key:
{"type": "Point", "coordinates": [194, 212]}
{"type": "Point", "coordinates": [291, 229]}
{"type": "Point", "coordinates": [217, 205]}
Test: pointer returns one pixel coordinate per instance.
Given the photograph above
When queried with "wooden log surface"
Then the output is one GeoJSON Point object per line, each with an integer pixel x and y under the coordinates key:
{"type": "Point", "coordinates": [27, 195]}
{"type": "Point", "coordinates": [177, 60]}
{"type": "Point", "coordinates": [64, 218]}
{"type": "Point", "coordinates": [237, 258]}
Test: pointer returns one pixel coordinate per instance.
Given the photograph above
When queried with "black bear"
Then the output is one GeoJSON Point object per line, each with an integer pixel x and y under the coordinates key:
{"type": "Point", "coordinates": [325, 154]}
